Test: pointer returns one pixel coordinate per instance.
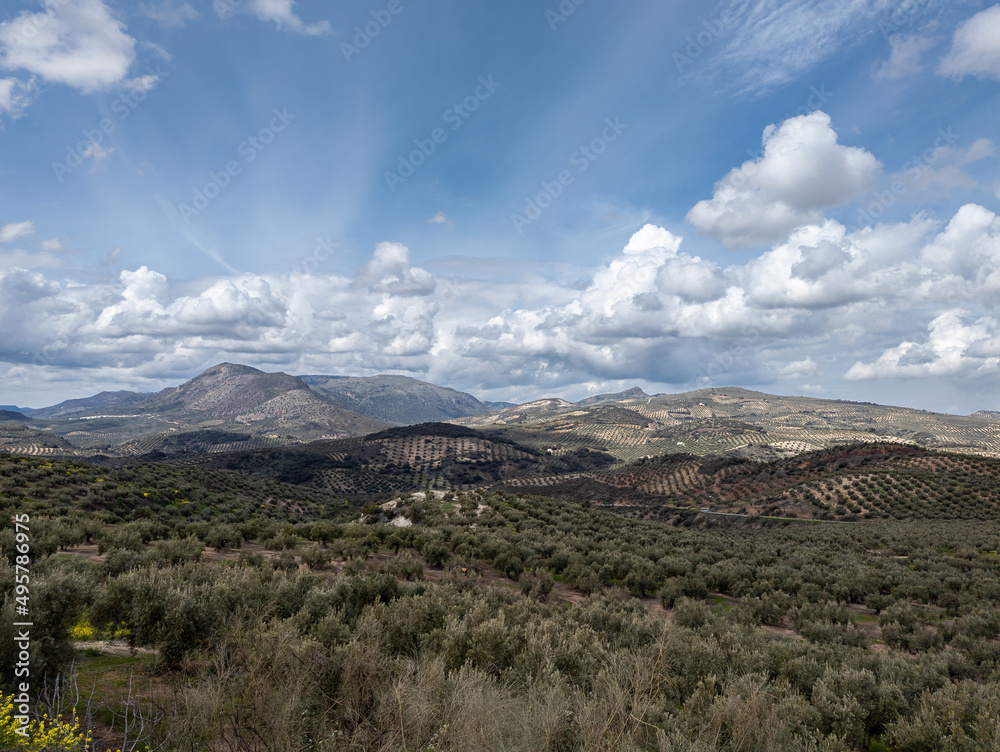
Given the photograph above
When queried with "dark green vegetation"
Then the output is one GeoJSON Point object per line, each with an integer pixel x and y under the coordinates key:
{"type": "Point", "coordinates": [861, 481]}
{"type": "Point", "coordinates": [408, 458]}
{"type": "Point", "coordinates": [206, 441]}
{"type": "Point", "coordinates": [498, 621]}
{"type": "Point", "coordinates": [94, 495]}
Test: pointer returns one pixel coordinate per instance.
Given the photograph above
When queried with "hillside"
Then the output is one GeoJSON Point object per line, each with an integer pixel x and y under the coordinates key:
{"type": "Point", "coordinates": [225, 390]}
{"type": "Point", "coordinates": [24, 438]}
{"type": "Point", "coordinates": [204, 441]}
{"type": "Point", "coordinates": [988, 414]}
{"type": "Point", "coordinates": [862, 481]}
{"type": "Point", "coordinates": [227, 397]}
{"type": "Point", "coordinates": [398, 400]}
{"type": "Point", "coordinates": [714, 421]}
{"type": "Point", "coordinates": [104, 402]}
{"type": "Point", "coordinates": [633, 393]}
{"type": "Point", "coordinates": [555, 625]}
{"type": "Point", "coordinates": [529, 412]}
{"type": "Point", "coordinates": [13, 415]}
{"type": "Point", "coordinates": [235, 397]}
{"type": "Point", "coordinates": [499, 405]}
{"type": "Point", "coordinates": [264, 410]}
{"type": "Point", "coordinates": [426, 456]}
{"type": "Point", "coordinates": [142, 491]}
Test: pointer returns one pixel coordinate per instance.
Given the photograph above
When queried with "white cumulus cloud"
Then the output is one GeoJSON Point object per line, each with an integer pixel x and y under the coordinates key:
{"type": "Point", "coordinates": [948, 349]}
{"type": "Point", "coordinates": [975, 48]}
{"type": "Point", "coordinates": [802, 171]}
{"type": "Point", "coordinates": [825, 301]}
{"type": "Point", "coordinates": [801, 369]}
{"type": "Point", "coordinates": [74, 42]}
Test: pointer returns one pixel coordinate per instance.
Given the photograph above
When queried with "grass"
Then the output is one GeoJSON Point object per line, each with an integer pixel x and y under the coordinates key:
{"type": "Point", "coordinates": [108, 671]}
{"type": "Point", "coordinates": [720, 603]}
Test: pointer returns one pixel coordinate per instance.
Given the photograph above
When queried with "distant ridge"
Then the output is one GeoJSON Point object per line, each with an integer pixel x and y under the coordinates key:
{"type": "Point", "coordinates": [232, 405]}
{"type": "Point", "coordinates": [13, 415]}
{"type": "Point", "coordinates": [529, 411]}
{"type": "Point", "coordinates": [721, 419]}
{"type": "Point", "coordinates": [396, 399]}
{"type": "Point", "coordinates": [990, 414]}
{"type": "Point", "coordinates": [633, 393]}
{"type": "Point", "coordinates": [110, 402]}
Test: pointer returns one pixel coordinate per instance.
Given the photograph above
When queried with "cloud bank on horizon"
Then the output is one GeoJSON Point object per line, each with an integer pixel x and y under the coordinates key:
{"type": "Point", "coordinates": [808, 204]}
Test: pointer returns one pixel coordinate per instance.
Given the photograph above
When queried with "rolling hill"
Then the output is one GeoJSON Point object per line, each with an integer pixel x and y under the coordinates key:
{"type": "Point", "coordinates": [850, 483]}
{"type": "Point", "coordinates": [104, 402]}
{"type": "Point", "coordinates": [633, 393]}
{"type": "Point", "coordinates": [432, 455]}
{"type": "Point", "coordinates": [230, 408]}
{"type": "Point", "coordinates": [22, 437]}
{"type": "Point", "coordinates": [715, 421]}
{"type": "Point", "coordinates": [142, 491]}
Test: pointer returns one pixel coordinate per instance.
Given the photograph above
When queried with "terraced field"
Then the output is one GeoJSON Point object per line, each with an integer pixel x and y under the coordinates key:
{"type": "Point", "coordinates": [715, 421]}
{"type": "Point", "coordinates": [888, 481]}
{"type": "Point", "coordinates": [18, 438]}
{"type": "Point", "coordinates": [213, 443]}
{"type": "Point", "coordinates": [428, 456]}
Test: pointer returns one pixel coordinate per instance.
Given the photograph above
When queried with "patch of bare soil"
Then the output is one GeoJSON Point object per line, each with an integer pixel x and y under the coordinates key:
{"type": "Point", "coordinates": [233, 554]}
{"type": "Point", "coordinates": [656, 608]}
{"type": "Point", "coordinates": [781, 631]}
{"type": "Point", "coordinates": [568, 593]}
{"type": "Point", "coordinates": [87, 550]}
{"type": "Point", "coordinates": [872, 630]}
{"type": "Point", "coordinates": [113, 647]}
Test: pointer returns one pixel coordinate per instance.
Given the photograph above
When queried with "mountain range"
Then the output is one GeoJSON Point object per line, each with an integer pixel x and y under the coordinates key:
{"type": "Point", "coordinates": [231, 407]}
{"type": "Point", "coordinates": [236, 406]}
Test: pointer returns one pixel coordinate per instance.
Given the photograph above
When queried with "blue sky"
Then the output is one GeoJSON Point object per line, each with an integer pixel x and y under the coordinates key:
{"type": "Point", "coordinates": [517, 199]}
